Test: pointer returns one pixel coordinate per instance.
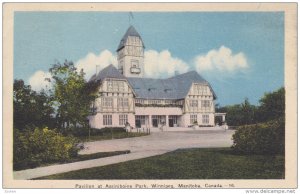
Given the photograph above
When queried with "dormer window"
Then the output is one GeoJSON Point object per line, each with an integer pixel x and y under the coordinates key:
{"type": "Point", "coordinates": [151, 89]}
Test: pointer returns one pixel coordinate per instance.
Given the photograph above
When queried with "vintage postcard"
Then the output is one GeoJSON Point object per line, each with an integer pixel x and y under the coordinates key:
{"type": "Point", "coordinates": [150, 95]}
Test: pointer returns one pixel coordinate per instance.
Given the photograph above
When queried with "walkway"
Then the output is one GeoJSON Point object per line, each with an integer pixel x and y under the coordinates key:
{"type": "Point", "coordinates": [140, 147]}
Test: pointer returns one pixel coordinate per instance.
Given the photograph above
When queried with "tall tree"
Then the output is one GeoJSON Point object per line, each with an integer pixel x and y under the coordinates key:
{"type": "Point", "coordinates": [247, 112]}
{"type": "Point", "coordinates": [72, 95]}
{"type": "Point", "coordinates": [272, 105]}
{"type": "Point", "coordinates": [31, 107]}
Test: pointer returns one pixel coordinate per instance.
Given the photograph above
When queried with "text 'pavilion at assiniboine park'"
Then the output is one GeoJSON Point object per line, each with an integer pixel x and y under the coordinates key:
{"type": "Point", "coordinates": [126, 97]}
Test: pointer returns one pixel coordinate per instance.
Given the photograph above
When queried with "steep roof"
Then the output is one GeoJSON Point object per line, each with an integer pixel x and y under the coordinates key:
{"type": "Point", "coordinates": [131, 31]}
{"type": "Point", "coordinates": [108, 72]}
{"type": "Point", "coordinates": [176, 87]}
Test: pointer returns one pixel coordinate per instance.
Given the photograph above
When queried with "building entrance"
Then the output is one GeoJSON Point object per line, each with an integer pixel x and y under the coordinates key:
{"type": "Point", "coordinates": [155, 122]}
{"type": "Point", "coordinates": [171, 123]}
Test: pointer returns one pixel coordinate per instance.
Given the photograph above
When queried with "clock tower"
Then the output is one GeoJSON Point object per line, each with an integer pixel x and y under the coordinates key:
{"type": "Point", "coordinates": [131, 54]}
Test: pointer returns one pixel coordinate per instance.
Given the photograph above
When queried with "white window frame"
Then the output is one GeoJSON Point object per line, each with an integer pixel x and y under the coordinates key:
{"type": "Point", "coordinates": [174, 117]}
{"type": "Point", "coordinates": [123, 119]}
{"type": "Point", "coordinates": [142, 119]}
{"type": "Point", "coordinates": [205, 119]}
{"type": "Point", "coordinates": [107, 102]}
{"type": "Point", "coordinates": [194, 103]}
{"type": "Point", "coordinates": [107, 120]}
{"type": "Point", "coordinates": [110, 85]}
{"type": "Point", "coordinates": [205, 103]}
{"type": "Point", "coordinates": [193, 118]}
{"type": "Point", "coordinates": [123, 102]}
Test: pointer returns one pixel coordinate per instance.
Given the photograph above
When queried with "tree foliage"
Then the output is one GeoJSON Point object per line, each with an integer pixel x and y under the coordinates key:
{"type": "Point", "coordinates": [271, 106]}
{"type": "Point", "coordinates": [267, 135]}
{"type": "Point", "coordinates": [72, 95]}
{"type": "Point", "coordinates": [239, 114]}
{"type": "Point", "coordinates": [40, 145]}
{"type": "Point", "coordinates": [262, 138]}
{"type": "Point", "coordinates": [31, 107]}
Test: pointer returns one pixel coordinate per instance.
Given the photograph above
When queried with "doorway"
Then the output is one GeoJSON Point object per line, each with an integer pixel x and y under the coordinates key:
{"type": "Point", "coordinates": [155, 122]}
{"type": "Point", "coordinates": [171, 123]}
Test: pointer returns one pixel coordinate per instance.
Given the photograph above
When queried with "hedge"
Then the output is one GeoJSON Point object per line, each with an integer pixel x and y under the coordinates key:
{"type": "Point", "coordinates": [263, 138]}
{"type": "Point", "coordinates": [82, 132]}
{"type": "Point", "coordinates": [32, 148]}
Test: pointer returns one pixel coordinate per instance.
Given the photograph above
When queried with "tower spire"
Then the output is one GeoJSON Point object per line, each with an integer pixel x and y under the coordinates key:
{"type": "Point", "coordinates": [130, 16]}
{"type": "Point", "coordinates": [131, 54]}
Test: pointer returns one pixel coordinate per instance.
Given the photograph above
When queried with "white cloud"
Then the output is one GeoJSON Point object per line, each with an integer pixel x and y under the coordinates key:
{"type": "Point", "coordinates": [157, 64]}
{"type": "Point", "coordinates": [89, 62]}
{"type": "Point", "coordinates": [40, 80]}
{"type": "Point", "coordinates": [222, 60]}
{"type": "Point", "coordinates": [162, 64]}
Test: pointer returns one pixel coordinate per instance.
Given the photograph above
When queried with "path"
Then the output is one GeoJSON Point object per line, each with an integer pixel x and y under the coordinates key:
{"type": "Point", "coordinates": [140, 147]}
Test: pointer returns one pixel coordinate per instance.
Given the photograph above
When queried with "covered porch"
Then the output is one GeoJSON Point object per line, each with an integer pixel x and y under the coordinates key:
{"type": "Point", "coordinates": [220, 118]}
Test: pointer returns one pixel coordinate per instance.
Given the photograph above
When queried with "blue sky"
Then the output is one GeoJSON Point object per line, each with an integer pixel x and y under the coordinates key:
{"type": "Point", "coordinates": [240, 53]}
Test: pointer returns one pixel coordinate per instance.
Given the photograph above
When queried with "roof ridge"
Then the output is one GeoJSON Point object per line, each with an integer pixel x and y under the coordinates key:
{"type": "Point", "coordinates": [109, 71]}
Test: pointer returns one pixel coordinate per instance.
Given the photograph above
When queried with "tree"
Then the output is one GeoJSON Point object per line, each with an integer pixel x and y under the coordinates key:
{"type": "Point", "coordinates": [31, 107]}
{"type": "Point", "coordinates": [272, 105]}
{"type": "Point", "coordinates": [247, 111]}
{"type": "Point", "coordinates": [239, 114]}
{"type": "Point", "coordinates": [72, 95]}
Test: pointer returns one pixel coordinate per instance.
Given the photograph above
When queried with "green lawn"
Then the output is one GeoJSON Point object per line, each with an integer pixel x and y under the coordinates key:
{"type": "Point", "coordinates": [108, 136]}
{"type": "Point", "coordinates": [83, 157]}
{"type": "Point", "coordinates": [210, 163]}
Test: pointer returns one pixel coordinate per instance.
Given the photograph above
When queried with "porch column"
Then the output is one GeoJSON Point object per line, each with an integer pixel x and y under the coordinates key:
{"type": "Point", "coordinates": [150, 121]}
{"type": "Point", "coordinates": [223, 118]}
{"type": "Point", "coordinates": [167, 120]}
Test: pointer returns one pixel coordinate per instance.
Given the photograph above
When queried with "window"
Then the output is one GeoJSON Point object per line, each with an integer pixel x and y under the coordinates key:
{"type": "Point", "coordinates": [109, 85]}
{"type": "Point", "coordinates": [107, 119]}
{"type": "Point", "coordinates": [205, 103]}
{"type": "Point", "coordinates": [140, 101]}
{"type": "Point", "coordinates": [161, 119]}
{"type": "Point", "coordinates": [129, 50]}
{"type": "Point", "coordinates": [155, 101]}
{"type": "Point", "coordinates": [93, 107]}
{"type": "Point", "coordinates": [200, 89]}
{"type": "Point", "coordinates": [123, 119]}
{"type": "Point", "coordinates": [134, 64]}
{"type": "Point", "coordinates": [141, 118]}
{"type": "Point", "coordinates": [174, 118]}
{"type": "Point", "coordinates": [115, 85]}
{"type": "Point", "coordinates": [123, 103]}
{"type": "Point", "coordinates": [194, 103]}
{"type": "Point", "coordinates": [193, 119]}
{"type": "Point", "coordinates": [107, 102]}
{"type": "Point", "coordinates": [205, 119]}
{"type": "Point", "coordinates": [121, 86]}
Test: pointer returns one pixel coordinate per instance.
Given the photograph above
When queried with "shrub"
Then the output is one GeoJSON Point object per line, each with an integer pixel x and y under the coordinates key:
{"type": "Point", "coordinates": [33, 148]}
{"type": "Point", "coordinates": [84, 132]}
{"type": "Point", "coordinates": [262, 138]}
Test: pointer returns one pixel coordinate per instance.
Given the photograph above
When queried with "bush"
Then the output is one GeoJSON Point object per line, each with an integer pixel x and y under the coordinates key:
{"type": "Point", "coordinates": [33, 148]}
{"type": "Point", "coordinates": [263, 138]}
{"type": "Point", "coordinates": [84, 132]}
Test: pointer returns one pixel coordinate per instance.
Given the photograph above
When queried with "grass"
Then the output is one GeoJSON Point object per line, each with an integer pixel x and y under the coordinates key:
{"type": "Point", "coordinates": [83, 157]}
{"type": "Point", "coordinates": [200, 163]}
{"type": "Point", "coordinates": [109, 136]}
{"type": "Point", "coordinates": [97, 155]}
